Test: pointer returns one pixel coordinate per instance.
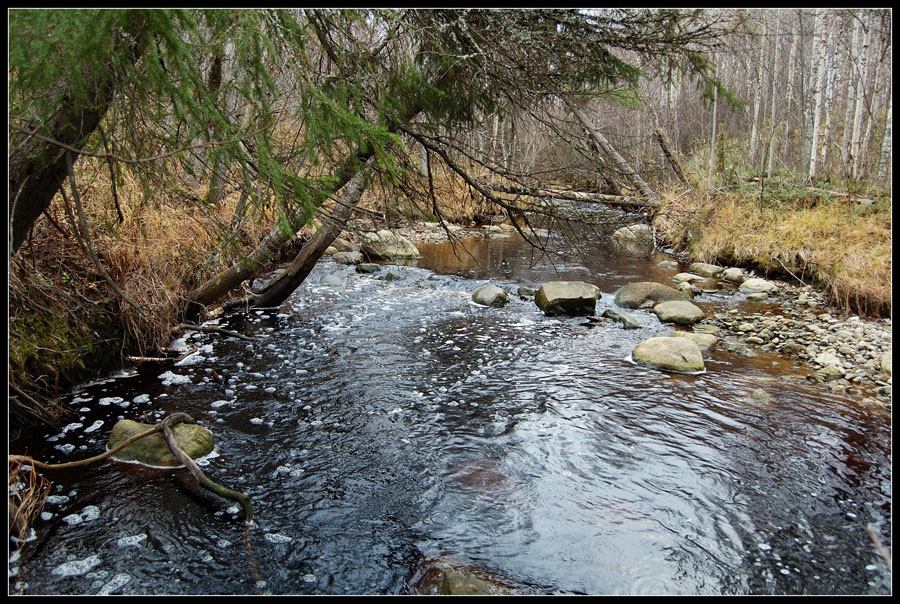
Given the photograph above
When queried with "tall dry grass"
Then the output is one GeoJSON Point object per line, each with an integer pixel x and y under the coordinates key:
{"type": "Point", "coordinates": [837, 245]}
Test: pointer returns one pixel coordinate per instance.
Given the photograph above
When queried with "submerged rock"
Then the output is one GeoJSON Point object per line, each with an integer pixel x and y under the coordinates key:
{"type": "Point", "coordinates": [671, 354]}
{"type": "Point", "coordinates": [641, 293]}
{"type": "Point", "coordinates": [448, 577]}
{"type": "Point", "coordinates": [348, 257]}
{"type": "Point", "coordinates": [153, 450]}
{"type": "Point", "coordinates": [567, 298]}
{"type": "Point", "coordinates": [386, 244]}
{"type": "Point", "coordinates": [490, 295]}
{"type": "Point", "coordinates": [367, 267]}
{"type": "Point", "coordinates": [678, 311]}
{"type": "Point", "coordinates": [627, 321]}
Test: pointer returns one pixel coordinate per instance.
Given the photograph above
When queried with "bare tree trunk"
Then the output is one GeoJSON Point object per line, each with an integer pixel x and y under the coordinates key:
{"type": "Point", "coordinates": [884, 160]}
{"type": "Point", "coordinates": [757, 93]}
{"type": "Point", "coordinates": [771, 167]}
{"type": "Point", "coordinates": [789, 100]}
{"type": "Point", "coordinates": [819, 93]}
{"type": "Point", "coordinates": [862, 68]}
{"type": "Point", "coordinates": [666, 146]}
{"type": "Point", "coordinates": [627, 171]}
{"type": "Point", "coordinates": [715, 129]}
{"type": "Point", "coordinates": [333, 222]}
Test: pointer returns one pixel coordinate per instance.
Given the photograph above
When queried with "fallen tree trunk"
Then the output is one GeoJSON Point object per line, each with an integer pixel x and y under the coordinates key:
{"type": "Point", "coordinates": [666, 145]}
{"type": "Point", "coordinates": [333, 222]}
{"type": "Point", "coordinates": [621, 163]}
{"type": "Point", "coordinates": [612, 200]}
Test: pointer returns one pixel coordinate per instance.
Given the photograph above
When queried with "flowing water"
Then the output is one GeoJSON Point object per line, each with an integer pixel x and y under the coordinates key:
{"type": "Point", "coordinates": [381, 422]}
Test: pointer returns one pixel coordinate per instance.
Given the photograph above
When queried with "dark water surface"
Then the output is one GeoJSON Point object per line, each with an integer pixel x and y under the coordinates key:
{"type": "Point", "coordinates": [381, 422]}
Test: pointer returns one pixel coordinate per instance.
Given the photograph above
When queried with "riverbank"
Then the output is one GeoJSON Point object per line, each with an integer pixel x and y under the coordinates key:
{"type": "Point", "coordinates": [838, 243]}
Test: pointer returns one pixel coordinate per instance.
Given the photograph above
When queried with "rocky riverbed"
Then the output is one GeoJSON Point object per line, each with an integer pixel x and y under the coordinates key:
{"type": "Point", "coordinates": [842, 353]}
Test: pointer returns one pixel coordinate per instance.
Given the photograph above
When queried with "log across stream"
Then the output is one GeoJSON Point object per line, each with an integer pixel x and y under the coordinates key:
{"type": "Point", "coordinates": [377, 424]}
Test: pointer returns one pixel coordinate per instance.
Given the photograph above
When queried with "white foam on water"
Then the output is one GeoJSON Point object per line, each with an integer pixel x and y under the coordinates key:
{"type": "Point", "coordinates": [116, 583]}
{"type": "Point", "coordinates": [131, 541]}
{"type": "Point", "coordinates": [109, 400]}
{"type": "Point", "coordinates": [168, 378]}
{"type": "Point", "coordinates": [141, 398]}
{"type": "Point", "coordinates": [76, 567]}
{"type": "Point", "coordinates": [94, 426]}
{"type": "Point", "coordinates": [277, 538]}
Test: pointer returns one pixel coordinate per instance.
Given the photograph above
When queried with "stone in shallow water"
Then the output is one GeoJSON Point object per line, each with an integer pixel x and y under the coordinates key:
{"type": "Point", "coordinates": [567, 298]}
{"type": "Point", "coordinates": [490, 295]}
{"type": "Point", "coordinates": [757, 285]}
{"type": "Point", "coordinates": [671, 354]}
{"type": "Point", "coordinates": [153, 450]}
{"type": "Point", "coordinates": [707, 270]}
{"type": "Point", "coordinates": [640, 293]}
{"type": "Point", "coordinates": [678, 311]}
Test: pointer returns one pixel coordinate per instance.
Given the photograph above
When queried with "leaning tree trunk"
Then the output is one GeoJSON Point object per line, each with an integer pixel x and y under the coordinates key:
{"type": "Point", "coordinates": [333, 222]}
{"type": "Point", "coordinates": [37, 166]}
{"type": "Point", "coordinates": [627, 171]}
{"type": "Point", "coordinates": [223, 282]}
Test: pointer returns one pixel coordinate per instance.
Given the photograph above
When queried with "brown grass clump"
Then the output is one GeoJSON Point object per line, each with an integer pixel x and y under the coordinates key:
{"type": "Point", "coordinates": [833, 245]}
{"type": "Point", "coordinates": [28, 491]}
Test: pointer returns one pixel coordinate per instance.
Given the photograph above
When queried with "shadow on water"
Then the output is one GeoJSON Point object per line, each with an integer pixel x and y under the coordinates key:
{"type": "Point", "coordinates": [378, 423]}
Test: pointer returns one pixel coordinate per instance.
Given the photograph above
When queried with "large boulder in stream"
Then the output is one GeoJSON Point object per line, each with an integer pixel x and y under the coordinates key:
{"type": "Point", "coordinates": [671, 354]}
{"type": "Point", "coordinates": [678, 311]}
{"type": "Point", "coordinates": [387, 245]}
{"type": "Point", "coordinates": [641, 233]}
{"type": "Point", "coordinates": [646, 293]}
{"type": "Point", "coordinates": [153, 450]}
{"type": "Point", "coordinates": [573, 298]}
{"type": "Point", "coordinates": [490, 295]}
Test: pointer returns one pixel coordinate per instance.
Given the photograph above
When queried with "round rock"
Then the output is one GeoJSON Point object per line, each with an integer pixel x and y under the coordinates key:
{"type": "Point", "coordinates": [490, 295]}
{"type": "Point", "coordinates": [678, 311]}
{"type": "Point", "coordinates": [671, 354]}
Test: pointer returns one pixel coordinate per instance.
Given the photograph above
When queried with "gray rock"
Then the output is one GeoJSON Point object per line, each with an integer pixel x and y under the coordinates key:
{"type": "Point", "coordinates": [707, 270]}
{"type": "Point", "coordinates": [331, 280]}
{"type": "Point", "coordinates": [153, 450]}
{"type": "Point", "coordinates": [348, 257]}
{"type": "Point", "coordinates": [636, 232]}
{"type": "Point", "coordinates": [640, 293]}
{"type": "Point", "coordinates": [526, 292]}
{"type": "Point", "coordinates": [688, 277]}
{"type": "Point", "coordinates": [704, 341]}
{"type": "Point", "coordinates": [756, 285]}
{"type": "Point", "coordinates": [490, 295]}
{"type": "Point", "coordinates": [368, 267]}
{"type": "Point", "coordinates": [758, 296]}
{"type": "Point", "coordinates": [668, 264]}
{"type": "Point", "coordinates": [735, 275]}
{"type": "Point", "coordinates": [678, 311]}
{"type": "Point", "coordinates": [627, 321]}
{"type": "Point", "coordinates": [386, 244]}
{"type": "Point", "coordinates": [886, 362]}
{"type": "Point", "coordinates": [567, 298]}
{"type": "Point", "coordinates": [671, 354]}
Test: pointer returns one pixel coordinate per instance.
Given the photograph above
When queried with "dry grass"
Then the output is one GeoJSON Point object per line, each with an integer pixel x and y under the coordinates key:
{"type": "Point", "coordinates": [27, 492]}
{"type": "Point", "coordinates": [833, 245]}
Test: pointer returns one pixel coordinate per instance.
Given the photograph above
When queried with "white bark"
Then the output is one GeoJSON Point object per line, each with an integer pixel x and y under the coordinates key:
{"type": "Point", "coordinates": [861, 66]}
{"type": "Point", "coordinates": [771, 164]}
{"type": "Point", "coordinates": [821, 41]}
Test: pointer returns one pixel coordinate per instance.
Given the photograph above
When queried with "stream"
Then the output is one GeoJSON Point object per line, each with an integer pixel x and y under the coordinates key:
{"type": "Point", "coordinates": [386, 421]}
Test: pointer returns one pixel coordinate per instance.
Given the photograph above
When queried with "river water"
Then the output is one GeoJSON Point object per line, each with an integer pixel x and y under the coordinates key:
{"type": "Point", "coordinates": [385, 421]}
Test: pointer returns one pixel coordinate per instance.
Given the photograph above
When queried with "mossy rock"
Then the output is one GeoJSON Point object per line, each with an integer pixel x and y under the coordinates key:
{"type": "Point", "coordinates": [153, 450]}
